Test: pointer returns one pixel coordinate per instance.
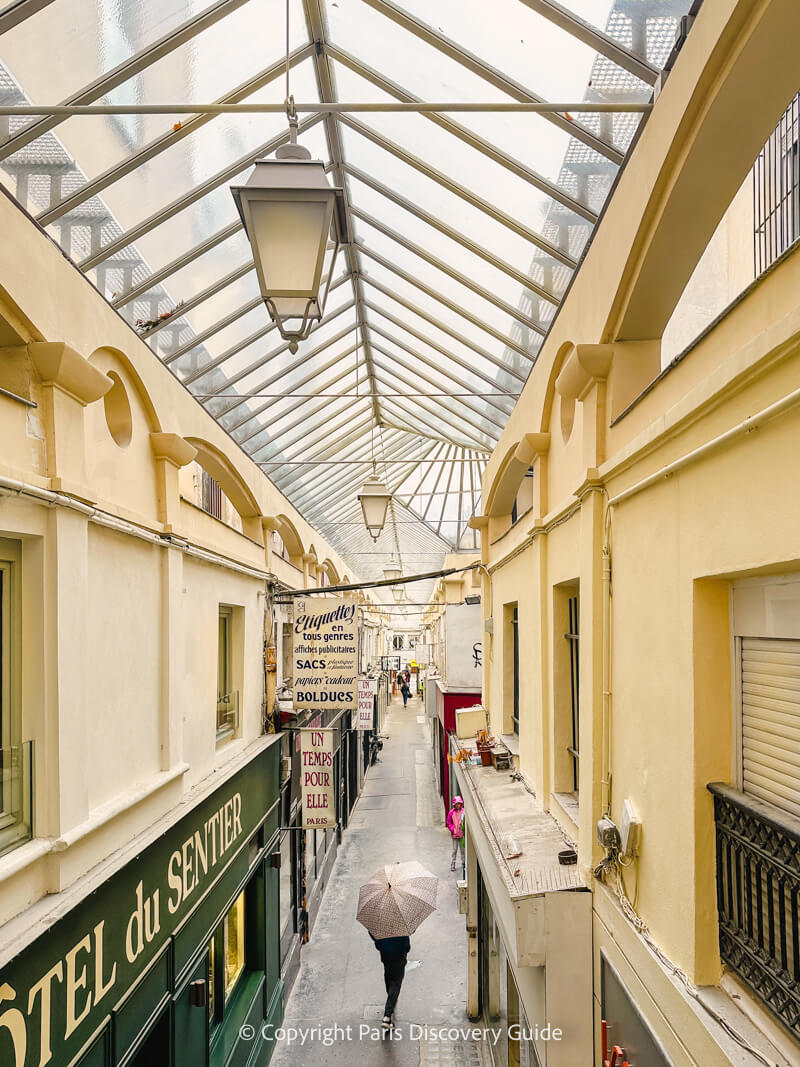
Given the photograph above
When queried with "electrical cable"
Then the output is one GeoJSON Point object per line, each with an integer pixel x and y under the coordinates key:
{"type": "Point", "coordinates": [610, 866]}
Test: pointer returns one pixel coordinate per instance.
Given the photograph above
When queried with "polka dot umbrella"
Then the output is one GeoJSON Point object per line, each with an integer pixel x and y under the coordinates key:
{"type": "Point", "coordinates": [397, 899]}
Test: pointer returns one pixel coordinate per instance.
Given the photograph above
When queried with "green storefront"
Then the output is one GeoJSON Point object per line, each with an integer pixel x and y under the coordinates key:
{"type": "Point", "coordinates": [168, 959]}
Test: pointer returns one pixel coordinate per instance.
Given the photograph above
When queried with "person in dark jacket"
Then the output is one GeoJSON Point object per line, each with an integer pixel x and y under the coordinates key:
{"type": "Point", "coordinates": [405, 689]}
{"type": "Point", "coordinates": [394, 953]}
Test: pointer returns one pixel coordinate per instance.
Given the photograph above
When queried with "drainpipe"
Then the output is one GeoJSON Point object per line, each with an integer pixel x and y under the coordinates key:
{"type": "Point", "coordinates": [605, 767]}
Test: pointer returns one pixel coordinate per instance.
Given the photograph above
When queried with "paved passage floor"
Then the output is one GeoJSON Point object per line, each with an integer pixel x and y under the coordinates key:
{"type": "Point", "coordinates": [398, 817]}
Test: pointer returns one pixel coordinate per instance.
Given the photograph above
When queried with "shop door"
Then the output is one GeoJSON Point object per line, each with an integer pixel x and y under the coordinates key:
{"type": "Point", "coordinates": [191, 1023]}
{"type": "Point", "coordinates": [352, 759]}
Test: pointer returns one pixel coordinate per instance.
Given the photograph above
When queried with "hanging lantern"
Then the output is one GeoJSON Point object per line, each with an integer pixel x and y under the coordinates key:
{"type": "Point", "coordinates": [289, 211]}
{"type": "Point", "coordinates": [374, 499]}
{"type": "Point", "coordinates": [392, 571]}
{"type": "Point", "coordinates": [399, 593]}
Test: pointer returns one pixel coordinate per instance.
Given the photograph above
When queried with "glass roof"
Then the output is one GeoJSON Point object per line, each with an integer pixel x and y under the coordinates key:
{"type": "Point", "coordinates": [466, 227]}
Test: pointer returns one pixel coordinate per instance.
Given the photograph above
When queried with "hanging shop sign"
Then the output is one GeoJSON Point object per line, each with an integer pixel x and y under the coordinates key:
{"type": "Point", "coordinates": [367, 689]}
{"type": "Point", "coordinates": [325, 647]}
{"type": "Point", "coordinates": [316, 778]}
{"type": "Point", "coordinates": [390, 663]}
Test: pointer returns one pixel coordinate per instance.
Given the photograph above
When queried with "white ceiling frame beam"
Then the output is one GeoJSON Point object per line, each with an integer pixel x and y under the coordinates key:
{"type": "Point", "coordinates": [594, 38]}
{"type": "Point", "coordinates": [176, 265]}
{"type": "Point", "coordinates": [316, 24]}
{"type": "Point", "coordinates": [285, 439]}
{"type": "Point", "coordinates": [388, 377]}
{"type": "Point", "coordinates": [338, 421]}
{"type": "Point", "coordinates": [135, 64]}
{"type": "Point", "coordinates": [423, 359]}
{"type": "Point", "coordinates": [262, 360]}
{"type": "Point", "coordinates": [493, 76]}
{"type": "Point", "coordinates": [434, 261]}
{"type": "Point", "coordinates": [308, 354]}
{"type": "Point", "coordinates": [484, 327]}
{"type": "Point", "coordinates": [314, 493]}
{"type": "Point", "coordinates": [523, 280]}
{"type": "Point", "coordinates": [461, 191]}
{"type": "Point", "coordinates": [200, 298]}
{"type": "Point", "coordinates": [474, 413]}
{"type": "Point", "coordinates": [286, 482]}
{"type": "Point", "coordinates": [300, 402]}
{"type": "Point", "coordinates": [17, 13]}
{"type": "Point", "coordinates": [167, 140]}
{"type": "Point", "coordinates": [340, 501]}
{"type": "Point", "coordinates": [445, 329]}
{"type": "Point", "coordinates": [303, 381]}
{"type": "Point", "coordinates": [215, 327]}
{"type": "Point", "coordinates": [252, 338]}
{"type": "Point", "coordinates": [197, 193]}
{"type": "Point", "coordinates": [537, 181]}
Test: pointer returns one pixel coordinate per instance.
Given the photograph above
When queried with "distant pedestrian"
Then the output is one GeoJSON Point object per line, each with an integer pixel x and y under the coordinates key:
{"type": "Point", "coordinates": [394, 953]}
{"type": "Point", "coordinates": [455, 824]}
{"type": "Point", "coordinates": [406, 691]}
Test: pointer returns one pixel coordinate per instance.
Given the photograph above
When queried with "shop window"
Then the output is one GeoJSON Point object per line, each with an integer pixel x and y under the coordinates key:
{"type": "Point", "coordinates": [227, 694]}
{"type": "Point", "coordinates": [15, 758]}
{"type": "Point", "coordinates": [566, 691]}
{"type": "Point", "coordinates": [227, 961]}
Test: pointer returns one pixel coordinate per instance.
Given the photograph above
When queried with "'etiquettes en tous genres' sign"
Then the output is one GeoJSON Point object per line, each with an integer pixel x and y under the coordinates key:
{"type": "Point", "coordinates": [325, 650]}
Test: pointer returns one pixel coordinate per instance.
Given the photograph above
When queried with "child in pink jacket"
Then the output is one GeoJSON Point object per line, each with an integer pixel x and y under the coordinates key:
{"type": "Point", "coordinates": [455, 824]}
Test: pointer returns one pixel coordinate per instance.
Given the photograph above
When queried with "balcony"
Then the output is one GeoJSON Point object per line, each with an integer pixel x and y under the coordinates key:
{"type": "Point", "coordinates": [758, 884]}
{"type": "Point", "coordinates": [16, 795]}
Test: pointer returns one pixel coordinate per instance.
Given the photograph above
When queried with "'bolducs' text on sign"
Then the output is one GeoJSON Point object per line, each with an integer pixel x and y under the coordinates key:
{"type": "Point", "coordinates": [316, 778]}
{"type": "Point", "coordinates": [325, 648]}
{"type": "Point", "coordinates": [54, 994]}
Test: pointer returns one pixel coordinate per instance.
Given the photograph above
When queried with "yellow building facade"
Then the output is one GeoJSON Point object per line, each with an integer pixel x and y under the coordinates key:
{"type": "Point", "coordinates": [652, 561]}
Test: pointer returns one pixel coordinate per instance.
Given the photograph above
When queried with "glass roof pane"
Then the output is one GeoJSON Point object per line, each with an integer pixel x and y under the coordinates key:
{"type": "Point", "coordinates": [413, 295]}
{"type": "Point", "coordinates": [533, 140]}
{"type": "Point", "coordinates": [536, 53]}
{"type": "Point", "coordinates": [85, 40]}
{"type": "Point", "coordinates": [448, 251]}
{"type": "Point", "coordinates": [416, 323]}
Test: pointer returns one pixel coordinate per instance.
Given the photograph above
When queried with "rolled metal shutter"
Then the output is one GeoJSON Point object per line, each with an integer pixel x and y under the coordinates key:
{"type": "Point", "coordinates": [771, 721]}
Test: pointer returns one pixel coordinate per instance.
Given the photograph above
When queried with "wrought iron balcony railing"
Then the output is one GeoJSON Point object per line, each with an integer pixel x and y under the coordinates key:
{"type": "Point", "coordinates": [16, 795]}
{"type": "Point", "coordinates": [758, 884]}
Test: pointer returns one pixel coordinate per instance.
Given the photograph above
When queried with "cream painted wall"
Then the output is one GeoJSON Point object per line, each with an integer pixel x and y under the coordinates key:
{"type": "Point", "coordinates": [123, 664]}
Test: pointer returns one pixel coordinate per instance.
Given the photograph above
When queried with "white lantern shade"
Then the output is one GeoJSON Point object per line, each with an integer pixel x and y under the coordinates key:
{"type": "Point", "coordinates": [374, 499]}
{"type": "Point", "coordinates": [399, 593]}
{"type": "Point", "coordinates": [289, 212]}
{"type": "Point", "coordinates": [392, 572]}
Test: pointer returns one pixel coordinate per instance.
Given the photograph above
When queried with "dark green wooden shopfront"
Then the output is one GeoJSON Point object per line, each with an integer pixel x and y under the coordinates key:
{"type": "Point", "coordinates": [166, 961]}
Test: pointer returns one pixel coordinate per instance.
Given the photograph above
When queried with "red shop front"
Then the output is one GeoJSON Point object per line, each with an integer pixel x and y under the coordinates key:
{"type": "Point", "coordinates": [448, 701]}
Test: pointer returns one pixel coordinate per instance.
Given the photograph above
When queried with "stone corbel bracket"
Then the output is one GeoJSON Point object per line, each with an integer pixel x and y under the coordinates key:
{"type": "Point", "coordinates": [171, 452]}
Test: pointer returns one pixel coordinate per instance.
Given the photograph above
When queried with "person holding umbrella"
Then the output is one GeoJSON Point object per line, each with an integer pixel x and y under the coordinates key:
{"type": "Point", "coordinates": [394, 955]}
{"type": "Point", "coordinates": [391, 905]}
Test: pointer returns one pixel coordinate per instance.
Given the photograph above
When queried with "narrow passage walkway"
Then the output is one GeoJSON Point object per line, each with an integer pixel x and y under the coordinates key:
{"type": "Point", "coordinates": [398, 817]}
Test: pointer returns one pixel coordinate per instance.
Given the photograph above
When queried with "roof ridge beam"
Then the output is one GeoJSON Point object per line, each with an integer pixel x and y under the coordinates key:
{"type": "Point", "coordinates": [317, 30]}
